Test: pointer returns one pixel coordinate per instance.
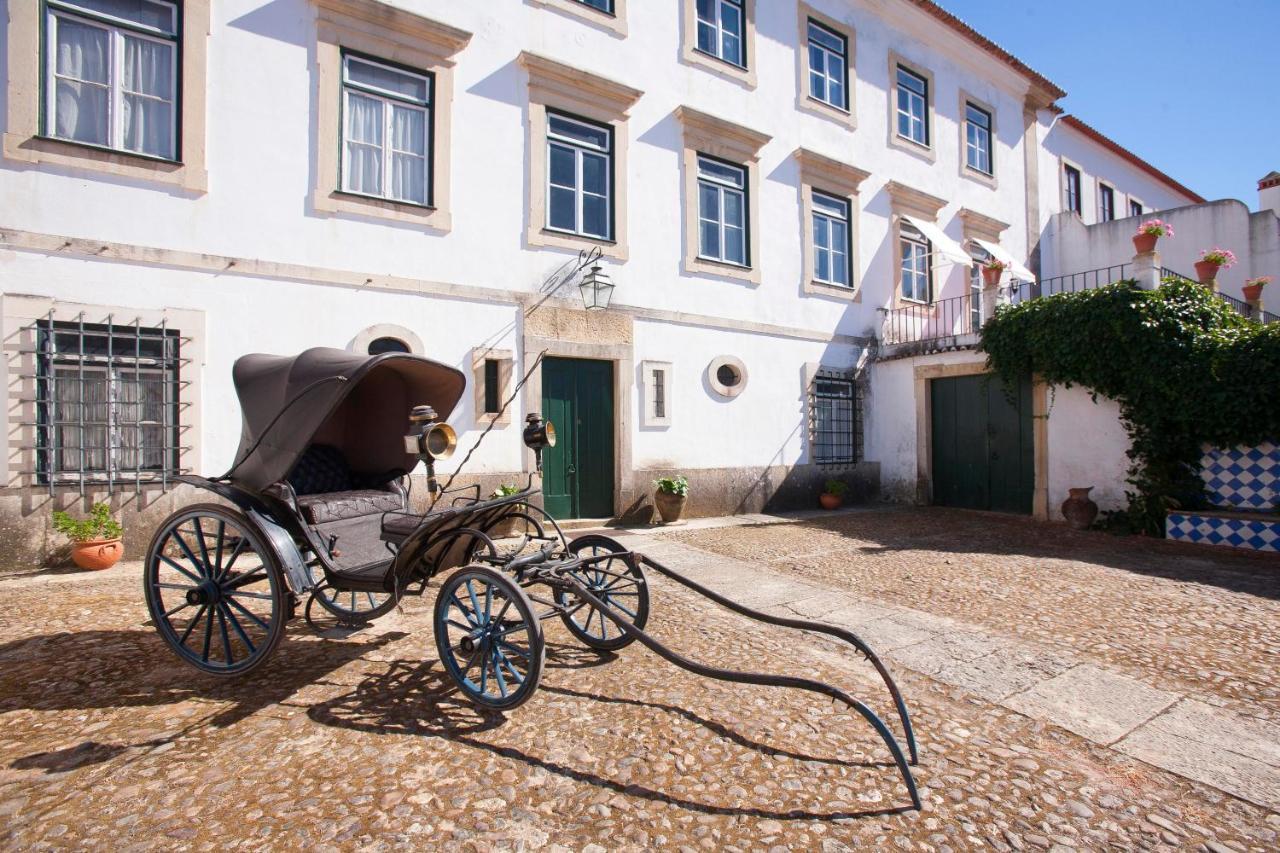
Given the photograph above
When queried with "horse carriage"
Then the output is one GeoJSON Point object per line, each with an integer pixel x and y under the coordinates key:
{"type": "Point", "coordinates": [316, 512]}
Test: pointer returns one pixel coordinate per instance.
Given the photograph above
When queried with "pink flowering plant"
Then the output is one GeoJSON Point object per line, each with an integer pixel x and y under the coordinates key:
{"type": "Point", "coordinates": [1223, 258]}
{"type": "Point", "coordinates": [995, 264]}
{"type": "Point", "coordinates": [1156, 228]}
{"type": "Point", "coordinates": [1260, 281]}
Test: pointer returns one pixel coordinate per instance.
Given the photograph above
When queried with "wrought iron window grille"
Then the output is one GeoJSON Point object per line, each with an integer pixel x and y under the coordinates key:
{"type": "Point", "coordinates": [836, 413]}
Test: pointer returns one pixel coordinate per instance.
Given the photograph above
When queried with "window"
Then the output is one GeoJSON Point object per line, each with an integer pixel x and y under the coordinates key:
{"type": "Point", "coordinates": [830, 239]}
{"type": "Point", "coordinates": [378, 346]}
{"type": "Point", "coordinates": [1106, 203]}
{"type": "Point", "coordinates": [913, 106]}
{"type": "Point", "coordinates": [828, 66]}
{"type": "Point", "coordinates": [976, 285]}
{"type": "Point", "coordinates": [656, 384]}
{"type": "Point", "coordinates": [720, 30]}
{"type": "Point", "coordinates": [659, 393]}
{"type": "Point", "coordinates": [492, 387]}
{"type": "Point", "coordinates": [722, 211]}
{"type": "Point", "coordinates": [579, 170]}
{"type": "Point", "coordinates": [387, 131]}
{"type": "Point", "coordinates": [916, 263]}
{"type": "Point", "coordinates": [834, 419]}
{"type": "Point", "coordinates": [605, 6]}
{"type": "Point", "coordinates": [1071, 177]}
{"type": "Point", "coordinates": [1135, 207]}
{"type": "Point", "coordinates": [727, 376]}
{"type": "Point", "coordinates": [108, 402]}
{"type": "Point", "coordinates": [111, 71]}
{"type": "Point", "coordinates": [977, 139]}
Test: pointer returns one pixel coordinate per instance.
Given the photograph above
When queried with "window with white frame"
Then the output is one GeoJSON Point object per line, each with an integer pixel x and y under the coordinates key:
{"type": "Point", "coordinates": [976, 284]}
{"type": "Point", "coordinates": [828, 66]}
{"type": "Point", "coordinates": [605, 6]}
{"type": "Point", "coordinates": [1135, 207]}
{"type": "Point", "coordinates": [579, 174]}
{"type": "Point", "coordinates": [916, 263]}
{"type": "Point", "coordinates": [1071, 183]}
{"type": "Point", "coordinates": [107, 402]}
{"type": "Point", "coordinates": [835, 419]}
{"type": "Point", "coordinates": [656, 383]}
{"type": "Point", "coordinates": [977, 139]}
{"type": "Point", "coordinates": [387, 131]}
{"type": "Point", "coordinates": [913, 106]}
{"type": "Point", "coordinates": [830, 239]}
{"type": "Point", "coordinates": [720, 30]}
{"type": "Point", "coordinates": [722, 211]}
{"type": "Point", "coordinates": [110, 74]}
{"type": "Point", "coordinates": [1106, 203]}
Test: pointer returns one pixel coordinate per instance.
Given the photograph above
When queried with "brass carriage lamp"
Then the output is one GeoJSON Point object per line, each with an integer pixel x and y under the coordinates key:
{"type": "Point", "coordinates": [429, 439]}
{"type": "Point", "coordinates": [596, 289]}
{"type": "Point", "coordinates": [539, 434]}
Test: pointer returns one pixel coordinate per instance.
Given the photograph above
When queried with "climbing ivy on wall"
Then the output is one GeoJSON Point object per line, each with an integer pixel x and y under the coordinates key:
{"type": "Point", "coordinates": [1184, 366]}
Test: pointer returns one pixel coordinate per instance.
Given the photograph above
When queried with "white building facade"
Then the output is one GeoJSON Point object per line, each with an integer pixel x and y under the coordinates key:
{"type": "Point", "coordinates": [186, 182]}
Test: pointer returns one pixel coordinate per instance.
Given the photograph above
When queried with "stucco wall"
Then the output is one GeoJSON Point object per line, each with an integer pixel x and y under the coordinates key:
{"type": "Point", "coordinates": [1087, 447]}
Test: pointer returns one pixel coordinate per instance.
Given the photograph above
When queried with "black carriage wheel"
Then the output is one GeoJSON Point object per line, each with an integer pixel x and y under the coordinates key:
{"type": "Point", "coordinates": [488, 637]}
{"type": "Point", "coordinates": [615, 582]}
{"type": "Point", "coordinates": [349, 606]}
{"type": "Point", "coordinates": [215, 591]}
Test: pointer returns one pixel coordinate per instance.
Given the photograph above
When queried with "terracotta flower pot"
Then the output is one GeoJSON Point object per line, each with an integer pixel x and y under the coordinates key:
{"type": "Point", "coordinates": [670, 506]}
{"type": "Point", "coordinates": [97, 554]}
{"type": "Point", "coordinates": [1206, 271]}
{"type": "Point", "coordinates": [830, 501]}
{"type": "Point", "coordinates": [991, 277]}
{"type": "Point", "coordinates": [1252, 292]}
{"type": "Point", "coordinates": [1078, 509]}
{"type": "Point", "coordinates": [1144, 243]}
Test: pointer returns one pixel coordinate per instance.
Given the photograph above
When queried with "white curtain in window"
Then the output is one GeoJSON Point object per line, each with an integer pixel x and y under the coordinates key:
{"type": "Point", "coordinates": [80, 402]}
{"type": "Point", "coordinates": [81, 92]}
{"type": "Point", "coordinates": [148, 92]}
{"type": "Point", "coordinates": [364, 144]}
{"type": "Point", "coordinates": [408, 160]}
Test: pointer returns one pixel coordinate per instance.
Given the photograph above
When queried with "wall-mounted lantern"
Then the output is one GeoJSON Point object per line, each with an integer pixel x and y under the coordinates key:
{"type": "Point", "coordinates": [596, 289]}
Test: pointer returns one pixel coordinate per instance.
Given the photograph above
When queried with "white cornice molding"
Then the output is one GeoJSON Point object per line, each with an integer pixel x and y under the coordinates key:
{"type": "Point", "coordinates": [394, 24]}
{"type": "Point", "coordinates": [547, 76]}
{"type": "Point", "coordinates": [914, 200]}
{"type": "Point", "coordinates": [722, 131]}
{"type": "Point", "coordinates": [981, 225]}
{"type": "Point", "coordinates": [844, 176]}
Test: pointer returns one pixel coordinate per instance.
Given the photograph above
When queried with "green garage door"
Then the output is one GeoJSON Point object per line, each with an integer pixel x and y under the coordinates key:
{"type": "Point", "coordinates": [577, 396]}
{"type": "Point", "coordinates": [983, 455]}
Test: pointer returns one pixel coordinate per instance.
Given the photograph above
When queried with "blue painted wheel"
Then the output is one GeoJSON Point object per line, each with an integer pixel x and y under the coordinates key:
{"type": "Point", "coordinates": [615, 582]}
{"type": "Point", "coordinates": [489, 638]}
{"type": "Point", "coordinates": [349, 606]}
{"type": "Point", "coordinates": [215, 591]}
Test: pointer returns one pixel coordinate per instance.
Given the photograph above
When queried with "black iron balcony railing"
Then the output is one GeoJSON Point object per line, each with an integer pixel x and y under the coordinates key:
{"type": "Point", "coordinates": [945, 318]}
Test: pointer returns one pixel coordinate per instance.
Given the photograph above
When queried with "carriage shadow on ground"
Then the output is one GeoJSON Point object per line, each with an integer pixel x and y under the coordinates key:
{"type": "Point", "coordinates": [133, 669]}
{"type": "Point", "coordinates": [418, 698]}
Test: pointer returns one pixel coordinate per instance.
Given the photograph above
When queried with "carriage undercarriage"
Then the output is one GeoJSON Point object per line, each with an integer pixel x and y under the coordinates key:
{"type": "Point", "coordinates": [222, 582]}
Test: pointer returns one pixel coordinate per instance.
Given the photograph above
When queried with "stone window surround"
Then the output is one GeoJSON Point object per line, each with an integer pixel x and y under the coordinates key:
{"type": "Point", "coordinates": [733, 143]}
{"type": "Point", "coordinates": [966, 170]}
{"type": "Point", "coordinates": [804, 101]}
{"type": "Point", "coordinates": [827, 175]}
{"type": "Point", "coordinates": [727, 391]}
{"type": "Point", "coordinates": [381, 31]}
{"type": "Point", "coordinates": [506, 370]}
{"type": "Point", "coordinates": [648, 418]}
{"type": "Point", "coordinates": [927, 152]}
{"type": "Point", "coordinates": [20, 312]}
{"type": "Point", "coordinates": [1063, 163]}
{"type": "Point", "coordinates": [24, 138]}
{"type": "Point", "coordinates": [988, 228]}
{"type": "Point", "coordinates": [556, 86]}
{"type": "Point", "coordinates": [1130, 198]}
{"type": "Point", "coordinates": [1116, 196]}
{"type": "Point", "coordinates": [924, 432]}
{"type": "Point", "coordinates": [615, 23]}
{"type": "Point", "coordinates": [905, 199]}
{"type": "Point", "coordinates": [690, 55]}
{"type": "Point", "coordinates": [360, 343]}
{"type": "Point", "coordinates": [809, 376]}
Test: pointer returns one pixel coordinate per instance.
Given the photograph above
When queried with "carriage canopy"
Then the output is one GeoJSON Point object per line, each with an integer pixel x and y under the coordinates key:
{"type": "Point", "coordinates": [357, 403]}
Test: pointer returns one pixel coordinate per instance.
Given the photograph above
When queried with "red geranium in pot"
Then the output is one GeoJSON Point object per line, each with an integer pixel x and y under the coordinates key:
{"type": "Point", "coordinates": [1213, 260]}
{"type": "Point", "coordinates": [1149, 232]}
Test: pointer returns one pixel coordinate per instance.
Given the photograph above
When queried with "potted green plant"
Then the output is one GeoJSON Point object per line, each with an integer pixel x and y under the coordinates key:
{"type": "Point", "coordinates": [992, 269]}
{"type": "Point", "coordinates": [507, 527]}
{"type": "Point", "coordinates": [833, 497]}
{"type": "Point", "coordinates": [1253, 287]}
{"type": "Point", "coordinates": [1149, 232]}
{"type": "Point", "coordinates": [670, 497]}
{"type": "Point", "coordinates": [95, 541]}
{"type": "Point", "coordinates": [1213, 260]}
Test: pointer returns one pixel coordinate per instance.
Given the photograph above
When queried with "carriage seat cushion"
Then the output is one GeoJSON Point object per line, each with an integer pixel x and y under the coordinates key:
{"type": "Point", "coordinates": [335, 506]}
{"type": "Point", "coordinates": [321, 469]}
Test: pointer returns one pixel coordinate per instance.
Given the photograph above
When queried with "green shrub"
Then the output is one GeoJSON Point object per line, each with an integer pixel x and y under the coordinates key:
{"type": "Point", "coordinates": [99, 525]}
{"type": "Point", "coordinates": [504, 490]}
{"type": "Point", "coordinates": [837, 487]}
{"type": "Point", "coordinates": [1184, 366]}
{"type": "Point", "coordinates": [676, 485]}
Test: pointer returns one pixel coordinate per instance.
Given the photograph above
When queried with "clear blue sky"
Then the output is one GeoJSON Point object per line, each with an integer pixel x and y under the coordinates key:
{"type": "Point", "coordinates": [1191, 86]}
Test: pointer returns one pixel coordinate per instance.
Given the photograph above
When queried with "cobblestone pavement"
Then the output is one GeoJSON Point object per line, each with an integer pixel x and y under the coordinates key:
{"type": "Point", "coordinates": [106, 740]}
{"type": "Point", "coordinates": [1192, 618]}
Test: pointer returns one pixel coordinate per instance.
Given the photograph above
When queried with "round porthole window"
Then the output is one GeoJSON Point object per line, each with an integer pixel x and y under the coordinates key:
{"type": "Point", "coordinates": [727, 376]}
{"type": "Point", "coordinates": [380, 345]}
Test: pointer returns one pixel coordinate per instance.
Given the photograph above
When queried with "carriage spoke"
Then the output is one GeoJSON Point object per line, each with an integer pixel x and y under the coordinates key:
{"type": "Point", "coordinates": [519, 626]}
{"type": "Point", "coordinates": [241, 594]}
{"type": "Point", "coordinates": [204, 547]}
{"type": "Point", "coordinates": [235, 623]}
{"type": "Point", "coordinates": [192, 624]}
{"type": "Point", "coordinates": [226, 638]}
{"type": "Point", "coordinates": [183, 606]}
{"type": "Point", "coordinates": [170, 561]}
{"type": "Point", "coordinates": [524, 653]}
{"type": "Point", "coordinates": [475, 605]}
{"type": "Point", "coordinates": [186, 549]}
{"type": "Point", "coordinates": [251, 576]}
{"type": "Point", "coordinates": [162, 585]}
{"type": "Point", "coordinates": [235, 552]}
{"type": "Point", "coordinates": [208, 635]}
{"type": "Point", "coordinates": [455, 601]}
{"type": "Point", "coordinates": [621, 581]}
{"type": "Point", "coordinates": [372, 603]}
{"type": "Point", "coordinates": [497, 672]}
{"type": "Point", "coordinates": [488, 603]}
{"type": "Point", "coordinates": [623, 608]}
{"type": "Point", "coordinates": [455, 623]}
{"type": "Point", "coordinates": [247, 612]}
{"type": "Point", "coordinates": [222, 533]}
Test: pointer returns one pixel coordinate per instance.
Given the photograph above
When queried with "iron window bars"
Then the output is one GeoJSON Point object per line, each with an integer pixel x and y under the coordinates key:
{"type": "Point", "coordinates": [107, 403]}
{"type": "Point", "coordinates": [837, 413]}
{"type": "Point", "coordinates": [659, 393]}
{"type": "Point", "coordinates": [110, 74]}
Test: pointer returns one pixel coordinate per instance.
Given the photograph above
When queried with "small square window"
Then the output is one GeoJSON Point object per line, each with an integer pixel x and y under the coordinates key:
{"type": "Point", "coordinates": [491, 371]}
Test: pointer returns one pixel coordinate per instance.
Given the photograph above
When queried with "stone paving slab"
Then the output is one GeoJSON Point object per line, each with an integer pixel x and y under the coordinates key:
{"type": "Point", "coordinates": [1095, 703]}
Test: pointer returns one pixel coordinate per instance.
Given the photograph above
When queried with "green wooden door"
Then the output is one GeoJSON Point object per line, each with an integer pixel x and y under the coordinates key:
{"type": "Point", "coordinates": [983, 453]}
{"type": "Point", "coordinates": [577, 396]}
